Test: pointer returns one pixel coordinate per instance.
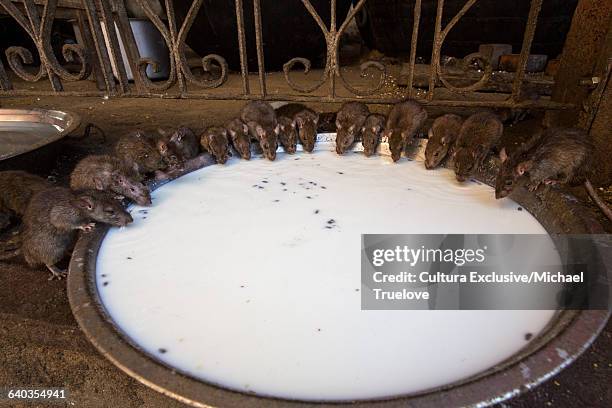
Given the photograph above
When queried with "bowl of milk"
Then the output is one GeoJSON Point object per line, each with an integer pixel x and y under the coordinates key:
{"type": "Point", "coordinates": [242, 285]}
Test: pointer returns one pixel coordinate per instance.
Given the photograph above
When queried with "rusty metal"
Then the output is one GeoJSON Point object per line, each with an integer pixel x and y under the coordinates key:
{"type": "Point", "coordinates": [439, 37]}
{"type": "Point", "coordinates": [532, 21]}
{"type": "Point", "coordinates": [244, 67]}
{"type": "Point", "coordinates": [104, 26]}
{"type": "Point", "coordinates": [416, 19]}
{"type": "Point", "coordinates": [259, 45]}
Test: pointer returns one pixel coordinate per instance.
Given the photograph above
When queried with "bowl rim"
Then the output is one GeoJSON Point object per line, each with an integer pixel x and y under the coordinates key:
{"type": "Point", "coordinates": [565, 338]}
{"type": "Point", "coordinates": [70, 120]}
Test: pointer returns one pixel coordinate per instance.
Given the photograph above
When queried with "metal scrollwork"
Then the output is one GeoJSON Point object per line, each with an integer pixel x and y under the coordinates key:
{"type": "Point", "coordinates": [39, 30]}
{"type": "Point", "coordinates": [179, 68]}
{"type": "Point", "coordinates": [332, 65]}
{"type": "Point", "coordinates": [440, 36]}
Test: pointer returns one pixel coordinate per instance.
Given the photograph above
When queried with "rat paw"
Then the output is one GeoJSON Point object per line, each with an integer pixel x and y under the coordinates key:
{"type": "Point", "coordinates": [56, 273]}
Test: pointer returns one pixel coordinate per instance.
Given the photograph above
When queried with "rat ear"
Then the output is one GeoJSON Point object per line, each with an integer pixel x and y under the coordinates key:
{"type": "Point", "coordinates": [351, 128]}
{"type": "Point", "coordinates": [523, 167]}
{"type": "Point", "coordinates": [245, 128]}
{"type": "Point", "coordinates": [294, 124]}
{"type": "Point", "coordinates": [430, 133]}
{"type": "Point", "coordinates": [162, 147]}
{"type": "Point", "coordinates": [277, 129]}
{"type": "Point", "coordinates": [443, 139]}
{"type": "Point", "coordinates": [376, 129]}
{"type": "Point", "coordinates": [85, 202]}
{"type": "Point", "coordinates": [363, 129]}
{"type": "Point", "coordinates": [232, 132]}
{"type": "Point", "coordinates": [503, 156]}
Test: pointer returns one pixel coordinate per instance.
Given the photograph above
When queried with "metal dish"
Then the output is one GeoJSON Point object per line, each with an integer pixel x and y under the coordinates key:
{"type": "Point", "coordinates": [25, 130]}
{"type": "Point", "coordinates": [567, 335]}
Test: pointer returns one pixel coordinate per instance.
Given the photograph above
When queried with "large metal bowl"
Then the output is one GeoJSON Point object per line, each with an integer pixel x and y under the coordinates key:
{"type": "Point", "coordinates": [561, 342]}
{"type": "Point", "coordinates": [28, 136]}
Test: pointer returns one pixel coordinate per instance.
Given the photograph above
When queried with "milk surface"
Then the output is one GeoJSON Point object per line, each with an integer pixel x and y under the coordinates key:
{"type": "Point", "coordinates": [236, 276]}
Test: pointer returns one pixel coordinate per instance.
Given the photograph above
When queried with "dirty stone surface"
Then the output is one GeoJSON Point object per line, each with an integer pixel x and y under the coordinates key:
{"type": "Point", "coordinates": [42, 345]}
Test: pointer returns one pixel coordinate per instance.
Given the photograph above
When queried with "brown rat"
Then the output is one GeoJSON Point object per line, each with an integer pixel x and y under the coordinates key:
{"type": "Point", "coordinates": [139, 153]}
{"type": "Point", "coordinates": [240, 138]}
{"type": "Point", "coordinates": [560, 156]}
{"type": "Point", "coordinates": [442, 136]}
{"type": "Point", "coordinates": [103, 172]}
{"type": "Point", "coordinates": [478, 134]}
{"type": "Point", "coordinates": [349, 122]}
{"type": "Point", "coordinates": [16, 189]}
{"type": "Point", "coordinates": [507, 176]}
{"type": "Point", "coordinates": [260, 118]}
{"type": "Point", "coordinates": [185, 143]}
{"type": "Point", "coordinates": [288, 135]}
{"type": "Point", "coordinates": [215, 141]}
{"type": "Point", "coordinates": [53, 217]}
{"type": "Point", "coordinates": [372, 129]}
{"type": "Point", "coordinates": [404, 120]}
{"type": "Point", "coordinates": [307, 122]}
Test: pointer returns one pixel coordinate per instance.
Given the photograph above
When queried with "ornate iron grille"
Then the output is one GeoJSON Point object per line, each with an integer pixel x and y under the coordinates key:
{"type": "Point", "coordinates": [100, 52]}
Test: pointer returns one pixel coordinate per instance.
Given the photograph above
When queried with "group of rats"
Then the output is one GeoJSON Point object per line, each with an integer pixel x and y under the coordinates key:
{"type": "Point", "coordinates": [52, 215]}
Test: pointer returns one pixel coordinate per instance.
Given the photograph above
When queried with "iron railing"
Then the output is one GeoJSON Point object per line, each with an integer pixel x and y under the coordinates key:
{"type": "Point", "coordinates": [97, 58]}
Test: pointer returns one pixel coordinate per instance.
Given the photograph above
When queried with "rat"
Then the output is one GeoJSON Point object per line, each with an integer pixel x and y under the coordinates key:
{"type": "Point", "coordinates": [103, 172]}
{"type": "Point", "coordinates": [404, 120]}
{"type": "Point", "coordinates": [239, 136]}
{"type": "Point", "coordinates": [139, 153]}
{"type": "Point", "coordinates": [184, 142]}
{"type": "Point", "coordinates": [214, 140]}
{"type": "Point", "coordinates": [288, 135]}
{"type": "Point", "coordinates": [307, 121]}
{"type": "Point", "coordinates": [441, 139]}
{"type": "Point", "coordinates": [260, 118]}
{"type": "Point", "coordinates": [16, 189]}
{"type": "Point", "coordinates": [349, 122]}
{"type": "Point", "coordinates": [560, 156]}
{"type": "Point", "coordinates": [372, 129]}
{"type": "Point", "coordinates": [507, 176]}
{"type": "Point", "coordinates": [54, 216]}
{"type": "Point", "coordinates": [478, 134]}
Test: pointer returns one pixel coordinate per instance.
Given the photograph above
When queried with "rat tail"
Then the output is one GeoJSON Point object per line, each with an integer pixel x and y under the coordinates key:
{"type": "Point", "coordinates": [597, 199]}
{"type": "Point", "coordinates": [9, 254]}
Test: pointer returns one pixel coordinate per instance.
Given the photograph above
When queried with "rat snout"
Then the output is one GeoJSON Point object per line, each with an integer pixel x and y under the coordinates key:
{"type": "Point", "coordinates": [461, 178]}
{"type": "Point", "coordinates": [125, 219]}
{"type": "Point", "coordinates": [395, 155]}
{"type": "Point", "coordinates": [270, 154]}
{"type": "Point", "coordinates": [144, 198]}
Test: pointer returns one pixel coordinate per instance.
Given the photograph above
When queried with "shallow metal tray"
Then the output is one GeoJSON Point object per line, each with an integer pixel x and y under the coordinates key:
{"type": "Point", "coordinates": [25, 130]}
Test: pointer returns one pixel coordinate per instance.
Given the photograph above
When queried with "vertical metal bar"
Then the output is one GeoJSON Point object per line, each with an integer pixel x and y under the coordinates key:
{"type": "Point", "coordinates": [101, 49]}
{"type": "Point", "coordinates": [115, 50]}
{"type": "Point", "coordinates": [258, 40]}
{"type": "Point", "coordinates": [244, 67]}
{"type": "Point", "coordinates": [416, 17]}
{"type": "Point", "coordinates": [532, 21]}
{"type": "Point", "coordinates": [435, 53]}
{"type": "Point", "coordinates": [38, 28]}
{"type": "Point", "coordinates": [88, 45]}
{"type": "Point", "coordinates": [5, 83]}
{"type": "Point", "coordinates": [335, 42]}
{"type": "Point", "coordinates": [129, 44]}
{"type": "Point", "coordinates": [174, 49]}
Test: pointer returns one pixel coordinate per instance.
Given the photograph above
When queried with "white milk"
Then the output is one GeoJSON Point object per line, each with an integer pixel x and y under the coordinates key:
{"type": "Point", "coordinates": [244, 286]}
